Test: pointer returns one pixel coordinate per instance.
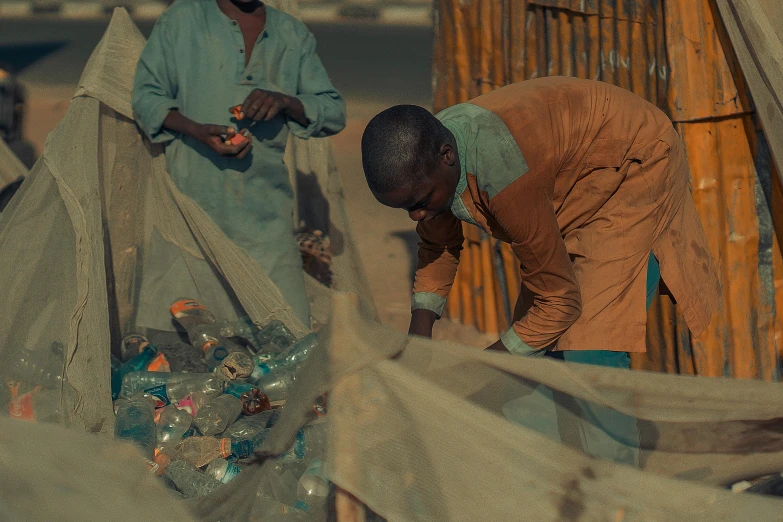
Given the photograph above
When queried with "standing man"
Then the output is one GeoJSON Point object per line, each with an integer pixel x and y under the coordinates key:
{"type": "Point", "coordinates": [589, 185]}
{"type": "Point", "coordinates": [205, 57]}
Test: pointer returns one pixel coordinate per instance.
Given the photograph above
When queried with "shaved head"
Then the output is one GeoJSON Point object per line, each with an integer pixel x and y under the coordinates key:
{"type": "Point", "coordinates": [400, 147]}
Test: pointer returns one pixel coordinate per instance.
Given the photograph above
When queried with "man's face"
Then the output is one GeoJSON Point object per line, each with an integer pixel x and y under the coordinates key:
{"type": "Point", "coordinates": [431, 197]}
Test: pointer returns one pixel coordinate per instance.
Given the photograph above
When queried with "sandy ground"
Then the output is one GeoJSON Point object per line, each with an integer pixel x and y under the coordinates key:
{"type": "Point", "coordinates": [386, 237]}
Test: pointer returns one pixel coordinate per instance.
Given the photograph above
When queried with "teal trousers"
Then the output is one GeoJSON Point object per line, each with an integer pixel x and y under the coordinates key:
{"type": "Point", "coordinates": [598, 430]}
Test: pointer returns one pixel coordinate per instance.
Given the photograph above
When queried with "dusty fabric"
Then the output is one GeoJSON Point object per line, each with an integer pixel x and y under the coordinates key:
{"type": "Point", "coordinates": [195, 62]}
{"type": "Point", "coordinates": [11, 168]}
{"type": "Point", "coordinates": [601, 182]}
{"type": "Point", "coordinates": [416, 426]}
{"type": "Point", "coordinates": [51, 473]}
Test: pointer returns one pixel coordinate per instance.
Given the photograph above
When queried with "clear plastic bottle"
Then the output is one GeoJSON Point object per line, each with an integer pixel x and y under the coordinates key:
{"type": "Point", "coordinates": [138, 363]}
{"type": "Point", "coordinates": [310, 443]}
{"type": "Point", "coordinates": [132, 345]}
{"type": "Point", "coordinates": [172, 425]}
{"type": "Point", "coordinates": [274, 338]}
{"type": "Point", "coordinates": [247, 427]}
{"type": "Point", "coordinates": [245, 446]}
{"type": "Point", "coordinates": [39, 367]}
{"type": "Point", "coordinates": [254, 401]}
{"type": "Point", "coordinates": [236, 366]}
{"type": "Point", "coordinates": [290, 359]}
{"type": "Point", "coordinates": [190, 481]}
{"type": "Point", "coordinates": [205, 333]}
{"type": "Point", "coordinates": [276, 383]}
{"type": "Point", "coordinates": [215, 416]}
{"type": "Point", "coordinates": [178, 385]}
{"type": "Point", "coordinates": [200, 451]}
{"type": "Point", "coordinates": [223, 470]}
{"type": "Point", "coordinates": [313, 488]}
{"type": "Point", "coordinates": [36, 405]}
{"type": "Point", "coordinates": [135, 421]}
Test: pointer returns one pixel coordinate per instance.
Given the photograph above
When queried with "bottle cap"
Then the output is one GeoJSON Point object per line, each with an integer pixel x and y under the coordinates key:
{"type": "Point", "coordinates": [225, 447]}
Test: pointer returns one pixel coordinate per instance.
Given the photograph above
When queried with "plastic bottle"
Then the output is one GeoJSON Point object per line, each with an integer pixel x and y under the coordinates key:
{"type": "Point", "coordinates": [276, 383]}
{"type": "Point", "coordinates": [39, 367]}
{"type": "Point", "coordinates": [247, 427]}
{"type": "Point", "coordinates": [244, 447]}
{"type": "Point", "coordinates": [274, 338]}
{"type": "Point", "coordinates": [313, 488]}
{"type": "Point", "coordinates": [254, 401]}
{"type": "Point", "coordinates": [39, 404]}
{"type": "Point", "coordinates": [214, 417]}
{"type": "Point", "coordinates": [223, 470]}
{"type": "Point", "coordinates": [132, 345]}
{"type": "Point", "coordinates": [310, 442]}
{"type": "Point", "coordinates": [135, 421]}
{"type": "Point", "coordinates": [190, 481]}
{"type": "Point", "coordinates": [178, 385]}
{"type": "Point", "coordinates": [204, 331]}
{"type": "Point", "coordinates": [236, 366]}
{"type": "Point", "coordinates": [290, 359]}
{"type": "Point", "coordinates": [199, 451]}
{"type": "Point", "coordinates": [172, 425]}
{"type": "Point", "coordinates": [140, 362]}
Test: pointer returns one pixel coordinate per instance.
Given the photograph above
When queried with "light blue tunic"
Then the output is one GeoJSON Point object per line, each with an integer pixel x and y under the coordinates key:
{"type": "Point", "coordinates": [194, 61]}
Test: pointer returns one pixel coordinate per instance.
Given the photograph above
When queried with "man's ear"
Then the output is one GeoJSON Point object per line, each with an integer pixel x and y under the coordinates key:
{"type": "Point", "coordinates": [448, 154]}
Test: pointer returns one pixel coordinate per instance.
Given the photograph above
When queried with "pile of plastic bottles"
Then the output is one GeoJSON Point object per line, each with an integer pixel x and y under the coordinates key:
{"type": "Point", "coordinates": [198, 429]}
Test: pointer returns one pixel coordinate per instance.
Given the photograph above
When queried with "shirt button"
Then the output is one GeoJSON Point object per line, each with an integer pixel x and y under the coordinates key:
{"type": "Point", "coordinates": [242, 51]}
{"type": "Point", "coordinates": [233, 22]}
{"type": "Point", "coordinates": [249, 78]}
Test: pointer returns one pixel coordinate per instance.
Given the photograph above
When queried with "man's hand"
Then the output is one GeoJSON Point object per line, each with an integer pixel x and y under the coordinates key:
{"type": "Point", "coordinates": [265, 105]}
{"type": "Point", "coordinates": [214, 136]}
{"type": "Point", "coordinates": [497, 346]}
{"type": "Point", "coordinates": [422, 322]}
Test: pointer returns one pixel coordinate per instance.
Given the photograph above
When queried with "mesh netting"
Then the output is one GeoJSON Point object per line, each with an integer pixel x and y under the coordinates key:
{"type": "Point", "coordinates": [101, 242]}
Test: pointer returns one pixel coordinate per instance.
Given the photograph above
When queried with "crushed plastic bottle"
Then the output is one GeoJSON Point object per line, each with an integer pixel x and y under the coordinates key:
{"type": "Point", "coordinates": [215, 416]}
{"type": "Point", "coordinates": [247, 427]}
{"type": "Point", "coordinates": [200, 451]}
{"type": "Point", "coordinates": [244, 447]}
{"type": "Point", "coordinates": [132, 345]}
{"type": "Point", "coordinates": [204, 331]}
{"type": "Point", "coordinates": [274, 338]}
{"type": "Point", "coordinates": [172, 426]}
{"type": "Point", "coordinates": [290, 359]}
{"type": "Point", "coordinates": [223, 470]}
{"type": "Point", "coordinates": [192, 403]}
{"type": "Point", "coordinates": [177, 385]}
{"type": "Point", "coordinates": [140, 362]}
{"type": "Point", "coordinates": [135, 421]}
{"type": "Point", "coordinates": [236, 366]}
{"type": "Point", "coordinates": [276, 383]}
{"type": "Point", "coordinates": [190, 481]}
{"type": "Point", "coordinates": [254, 401]}
{"type": "Point", "coordinates": [313, 488]}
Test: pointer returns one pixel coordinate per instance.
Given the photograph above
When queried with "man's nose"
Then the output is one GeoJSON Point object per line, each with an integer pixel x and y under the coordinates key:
{"type": "Point", "coordinates": [418, 214]}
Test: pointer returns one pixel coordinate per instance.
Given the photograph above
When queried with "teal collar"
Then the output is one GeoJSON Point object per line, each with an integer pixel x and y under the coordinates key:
{"type": "Point", "coordinates": [458, 207]}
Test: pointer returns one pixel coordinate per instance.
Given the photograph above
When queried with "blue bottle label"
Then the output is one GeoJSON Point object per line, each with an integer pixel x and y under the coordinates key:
{"type": "Point", "coordinates": [161, 395]}
{"type": "Point", "coordinates": [242, 449]}
{"type": "Point", "coordinates": [238, 388]}
{"type": "Point", "coordinates": [232, 470]}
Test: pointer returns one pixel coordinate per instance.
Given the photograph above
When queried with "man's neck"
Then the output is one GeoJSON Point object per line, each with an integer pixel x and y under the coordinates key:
{"type": "Point", "coordinates": [254, 8]}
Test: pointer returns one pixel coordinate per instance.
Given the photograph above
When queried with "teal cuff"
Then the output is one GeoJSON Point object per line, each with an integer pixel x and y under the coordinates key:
{"type": "Point", "coordinates": [517, 346]}
{"type": "Point", "coordinates": [312, 113]}
{"type": "Point", "coordinates": [428, 301]}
